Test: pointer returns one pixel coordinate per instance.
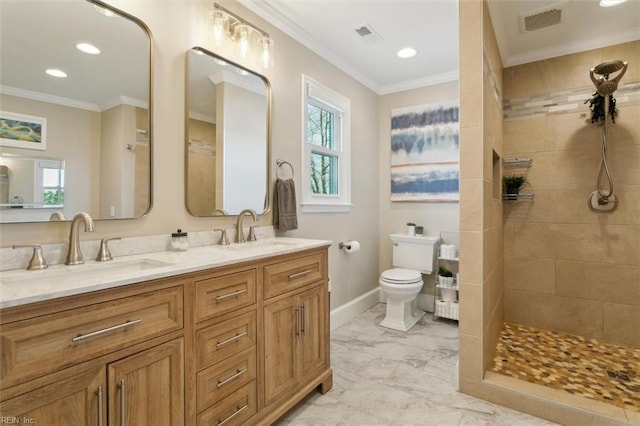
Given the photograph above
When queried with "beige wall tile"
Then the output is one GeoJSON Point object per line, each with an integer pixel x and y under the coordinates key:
{"type": "Point", "coordinates": [471, 148]}
{"type": "Point", "coordinates": [509, 239]}
{"type": "Point", "coordinates": [471, 214]}
{"type": "Point", "coordinates": [470, 30]}
{"type": "Point", "coordinates": [598, 281]}
{"type": "Point", "coordinates": [471, 309]}
{"type": "Point", "coordinates": [530, 274]}
{"type": "Point", "coordinates": [621, 323]}
{"type": "Point", "coordinates": [530, 134]}
{"type": "Point", "coordinates": [492, 290]}
{"type": "Point", "coordinates": [572, 71]}
{"type": "Point", "coordinates": [471, 254]}
{"type": "Point", "coordinates": [575, 132]}
{"type": "Point", "coordinates": [567, 314]}
{"type": "Point", "coordinates": [470, 353]}
{"type": "Point", "coordinates": [584, 242]}
{"type": "Point", "coordinates": [471, 101]}
{"type": "Point", "coordinates": [626, 131]}
{"type": "Point", "coordinates": [542, 209]}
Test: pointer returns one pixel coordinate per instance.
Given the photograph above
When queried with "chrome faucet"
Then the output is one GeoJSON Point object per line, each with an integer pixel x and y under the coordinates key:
{"type": "Point", "coordinates": [239, 230]}
{"type": "Point", "coordinates": [74, 254]}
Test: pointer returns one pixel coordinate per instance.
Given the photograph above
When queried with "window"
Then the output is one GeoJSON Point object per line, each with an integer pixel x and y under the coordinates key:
{"type": "Point", "coordinates": [326, 176]}
{"type": "Point", "coordinates": [49, 183]}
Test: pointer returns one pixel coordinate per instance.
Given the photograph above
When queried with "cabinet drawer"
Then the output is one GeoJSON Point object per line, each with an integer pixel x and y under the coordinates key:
{"type": "Point", "coordinates": [218, 381]}
{"type": "Point", "coordinates": [223, 340]}
{"type": "Point", "coordinates": [44, 344]}
{"type": "Point", "coordinates": [288, 275]}
{"type": "Point", "coordinates": [224, 294]}
{"type": "Point", "coordinates": [236, 409]}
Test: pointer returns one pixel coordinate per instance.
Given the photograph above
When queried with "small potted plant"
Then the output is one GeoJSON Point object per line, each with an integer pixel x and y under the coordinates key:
{"type": "Point", "coordinates": [513, 184]}
{"type": "Point", "coordinates": [411, 228]}
{"type": "Point", "coordinates": [445, 276]}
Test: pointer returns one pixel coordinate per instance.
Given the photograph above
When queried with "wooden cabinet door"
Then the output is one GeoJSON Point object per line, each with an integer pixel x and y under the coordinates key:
{"type": "Point", "coordinates": [312, 354]}
{"type": "Point", "coordinates": [148, 388]}
{"type": "Point", "coordinates": [75, 401]}
{"type": "Point", "coordinates": [281, 334]}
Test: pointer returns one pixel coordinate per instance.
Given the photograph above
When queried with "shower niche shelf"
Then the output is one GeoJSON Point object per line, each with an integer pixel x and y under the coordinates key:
{"type": "Point", "coordinates": [513, 163]}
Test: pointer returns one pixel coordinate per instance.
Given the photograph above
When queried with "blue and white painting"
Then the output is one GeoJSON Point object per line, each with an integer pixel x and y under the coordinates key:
{"type": "Point", "coordinates": [425, 153]}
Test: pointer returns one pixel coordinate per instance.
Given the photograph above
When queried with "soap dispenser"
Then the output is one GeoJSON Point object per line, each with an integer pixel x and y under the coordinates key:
{"type": "Point", "coordinates": [179, 241]}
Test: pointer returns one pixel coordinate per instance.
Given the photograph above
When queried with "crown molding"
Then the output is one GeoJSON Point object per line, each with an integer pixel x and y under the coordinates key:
{"type": "Point", "coordinates": [43, 97]}
{"type": "Point", "coordinates": [421, 82]}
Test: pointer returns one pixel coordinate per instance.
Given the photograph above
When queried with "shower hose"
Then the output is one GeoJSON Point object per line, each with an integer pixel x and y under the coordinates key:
{"type": "Point", "coordinates": [603, 196]}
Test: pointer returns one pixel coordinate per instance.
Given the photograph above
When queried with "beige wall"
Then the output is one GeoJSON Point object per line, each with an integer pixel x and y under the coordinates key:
{"type": "Point", "coordinates": [178, 26]}
{"type": "Point", "coordinates": [435, 217]}
{"type": "Point", "coordinates": [567, 268]}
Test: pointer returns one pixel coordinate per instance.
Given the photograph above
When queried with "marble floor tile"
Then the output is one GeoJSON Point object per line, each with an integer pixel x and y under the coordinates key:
{"type": "Point", "coordinates": [387, 377]}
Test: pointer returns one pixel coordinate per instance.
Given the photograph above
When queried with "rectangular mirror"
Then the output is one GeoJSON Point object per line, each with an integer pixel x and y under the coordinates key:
{"type": "Point", "coordinates": [227, 136]}
{"type": "Point", "coordinates": [75, 88]}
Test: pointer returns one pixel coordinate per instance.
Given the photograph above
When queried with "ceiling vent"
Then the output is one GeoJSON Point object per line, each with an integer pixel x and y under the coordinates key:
{"type": "Point", "coordinates": [542, 18]}
{"type": "Point", "coordinates": [366, 33]}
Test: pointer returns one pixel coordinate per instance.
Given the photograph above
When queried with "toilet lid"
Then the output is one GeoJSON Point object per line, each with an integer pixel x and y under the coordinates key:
{"type": "Point", "coordinates": [399, 275]}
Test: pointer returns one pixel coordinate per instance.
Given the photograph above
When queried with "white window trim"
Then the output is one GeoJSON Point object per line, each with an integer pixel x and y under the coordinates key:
{"type": "Point", "coordinates": [317, 203]}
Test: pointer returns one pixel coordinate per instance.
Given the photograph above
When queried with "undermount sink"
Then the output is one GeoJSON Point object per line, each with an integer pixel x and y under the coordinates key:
{"type": "Point", "coordinates": [84, 271]}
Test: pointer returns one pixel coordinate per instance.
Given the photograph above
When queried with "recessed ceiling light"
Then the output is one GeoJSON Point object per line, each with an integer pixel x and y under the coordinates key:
{"type": "Point", "coordinates": [609, 3]}
{"type": "Point", "coordinates": [56, 73]}
{"type": "Point", "coordinates": [88, 48]}
{"type": "Point", "coordinates": [407, 52]}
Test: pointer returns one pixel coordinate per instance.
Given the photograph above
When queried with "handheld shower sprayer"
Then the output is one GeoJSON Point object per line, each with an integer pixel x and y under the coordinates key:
{"type": "Point", "coordinates": [603, 200]}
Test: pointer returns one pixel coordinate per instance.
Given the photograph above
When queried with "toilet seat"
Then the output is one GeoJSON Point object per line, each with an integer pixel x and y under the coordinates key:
{"type": "Point", "coordinates": [401, 276]}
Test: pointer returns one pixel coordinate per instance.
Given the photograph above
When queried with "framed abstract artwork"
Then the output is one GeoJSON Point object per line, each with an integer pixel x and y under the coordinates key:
{"type": "Point", "coordinates": [425, 153]}
{"type": "Point", "coordinates": [22, 131]}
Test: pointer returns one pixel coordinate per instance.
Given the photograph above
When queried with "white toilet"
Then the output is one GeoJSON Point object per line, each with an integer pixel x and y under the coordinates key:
{"type": "Point", "coordinates": [412, 257]}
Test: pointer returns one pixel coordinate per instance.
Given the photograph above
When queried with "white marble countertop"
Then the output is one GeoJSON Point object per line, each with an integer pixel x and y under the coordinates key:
{"type": "Point", "coordinates": [20, 287]}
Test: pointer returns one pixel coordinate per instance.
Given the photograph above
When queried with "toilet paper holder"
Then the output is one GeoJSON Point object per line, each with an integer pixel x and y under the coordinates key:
{"type": "Point", "coordinates": [344, 245]}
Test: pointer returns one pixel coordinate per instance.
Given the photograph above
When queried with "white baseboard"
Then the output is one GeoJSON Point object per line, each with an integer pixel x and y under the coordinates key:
{"type": "Point", "coordinates": [425, 302]}
{"type": "Point", "coordinates": [355, 307]}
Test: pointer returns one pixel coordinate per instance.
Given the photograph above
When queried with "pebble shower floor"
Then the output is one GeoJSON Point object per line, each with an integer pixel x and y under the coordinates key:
{"type": "Point", "coordinates": [591, 368]}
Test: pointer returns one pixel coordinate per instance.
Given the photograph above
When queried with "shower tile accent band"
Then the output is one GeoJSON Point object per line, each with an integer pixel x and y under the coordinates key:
{"type": "Point", "coordinates": [565, 101]}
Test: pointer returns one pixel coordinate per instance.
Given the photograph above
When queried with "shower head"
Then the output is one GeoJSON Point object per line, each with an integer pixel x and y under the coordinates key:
{"type": "Point", "coordinates": [604, 86]}
{"type": "Point", "coordinates": [607, 68]}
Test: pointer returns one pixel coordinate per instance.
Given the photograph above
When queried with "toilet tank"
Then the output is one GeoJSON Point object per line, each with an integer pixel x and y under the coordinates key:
{"type": "Point", "coordinates": [415, 253]}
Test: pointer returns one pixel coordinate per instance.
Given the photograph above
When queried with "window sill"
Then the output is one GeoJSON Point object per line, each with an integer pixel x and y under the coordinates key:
{"type": "Point", "coordinates": [326, 207]}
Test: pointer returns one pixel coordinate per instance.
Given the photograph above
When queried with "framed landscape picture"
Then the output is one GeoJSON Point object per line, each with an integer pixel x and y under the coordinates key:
{"type": "Point", "coordinates": [425, 153]}
{"type": "Point", "coordinates": [22, 131]}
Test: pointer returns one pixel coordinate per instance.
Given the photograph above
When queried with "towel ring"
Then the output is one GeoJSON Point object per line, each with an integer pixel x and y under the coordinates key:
{"type": "Point", "coordinates": [281, 163]}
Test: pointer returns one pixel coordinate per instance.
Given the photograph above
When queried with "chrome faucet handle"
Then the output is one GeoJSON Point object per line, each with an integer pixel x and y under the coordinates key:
{"type": "Point", "coordinates": [224, 240]}
{"type": "Point", "coordinates": [37, 259]}
{"type": "Point", "coordinates": [104, 253]}
{"type": "Point", "coordinates": [252, 233]}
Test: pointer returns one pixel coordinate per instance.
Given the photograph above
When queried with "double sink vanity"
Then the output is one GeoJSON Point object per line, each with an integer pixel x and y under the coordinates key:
{"type": "Point", "coordinates": [215, 335]}
{"type": "Point", "coordinates": [233, 334]}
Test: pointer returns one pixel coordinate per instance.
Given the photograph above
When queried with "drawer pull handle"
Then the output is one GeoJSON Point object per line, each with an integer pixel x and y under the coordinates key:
{"type": "Point", "coordinates": [303, 320]}
{"type": "Point", "coordinates": [231, 339]}
{"type": "Point", "coordinates": [235, 413]}
{"type": "Point", "coordinates": [234, 294]}
{"type": "Point", "coordinates": [100, 397]}
{"type": "Point", "coordinates": [80, 337]}
{"type": "Point", "coordinates": [221, 383]}
{"type": "Point", "coordinates": [299, 274]}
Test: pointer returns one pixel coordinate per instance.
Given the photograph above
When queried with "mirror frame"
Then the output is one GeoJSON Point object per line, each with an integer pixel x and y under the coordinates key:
{"type": "Point", "coordinates": [267, 201]}
{"type": "Point", "coordinates": [145, 29]}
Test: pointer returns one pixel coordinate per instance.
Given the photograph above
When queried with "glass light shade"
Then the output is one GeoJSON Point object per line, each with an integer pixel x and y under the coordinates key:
{"type": "Point", "coordinates": [611, 3]}
{"type": "Point", "coordinates": [220, 24]}
{"type": "Point", "coordinates": [242, 35]}
{"type": "Point", "coordinates": [265, 49]}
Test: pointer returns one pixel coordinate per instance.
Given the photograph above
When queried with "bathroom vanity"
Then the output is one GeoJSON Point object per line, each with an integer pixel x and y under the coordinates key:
{"type": "Point", "coordinates": [216, 335]}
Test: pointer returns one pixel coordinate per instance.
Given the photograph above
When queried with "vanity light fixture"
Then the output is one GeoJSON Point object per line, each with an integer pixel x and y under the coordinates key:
{"type": "Point", "coordinates": [249, 39]}
{"type": "Point", "coordinates": [88, 48]}
{"type": "Point", "coordinates": [53, 72]}
{"type": "Point", "coordinates": [407, 52]}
